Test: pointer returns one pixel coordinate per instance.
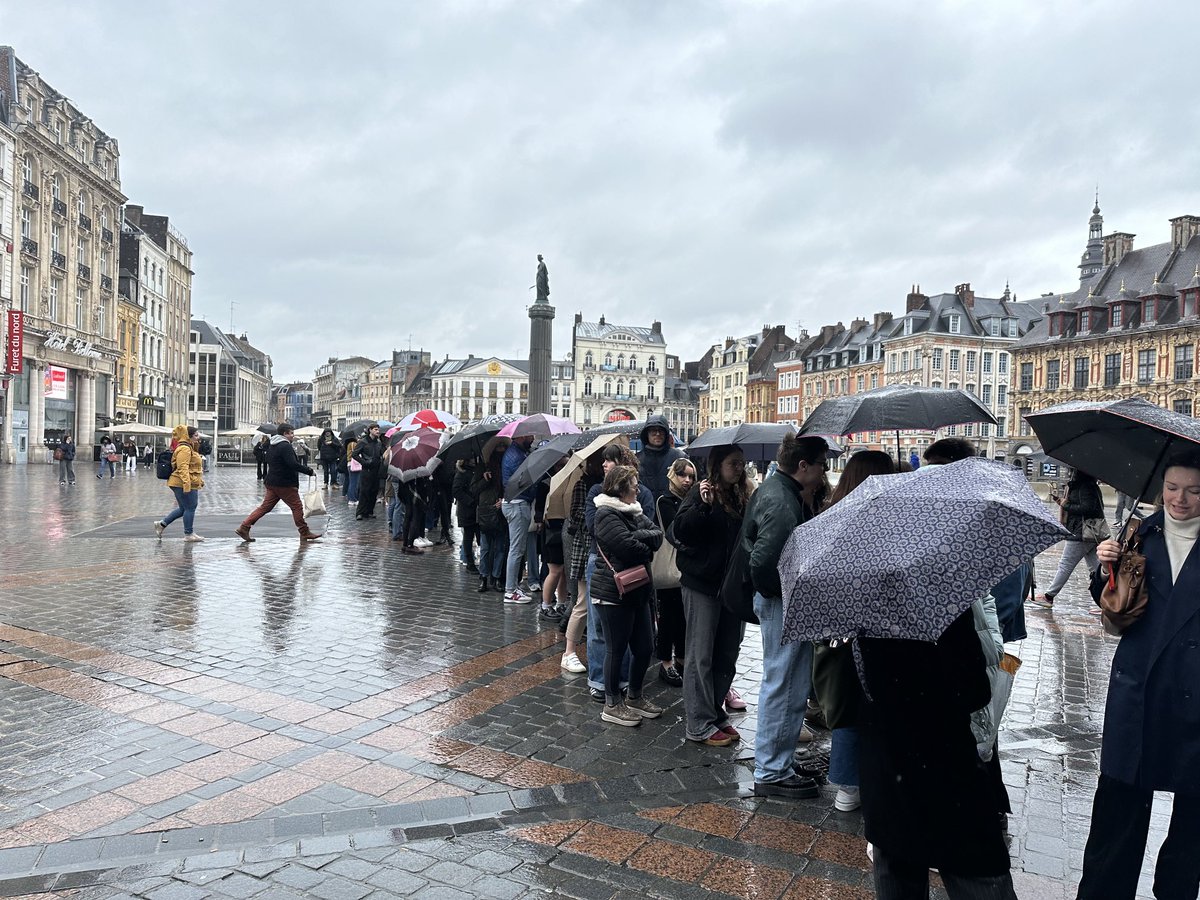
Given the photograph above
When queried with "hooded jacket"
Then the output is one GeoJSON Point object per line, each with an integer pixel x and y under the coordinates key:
{"type": "Point", "coordinates": [283, 468]}
{"type": "Point", "coordinates": [653, 462]}
{"type": "Point", "coordinates": [369, 453]}
{"type": "Point", "coordinates": [329, 448]}
{"type": "Point", "coordinates": [187, 465]}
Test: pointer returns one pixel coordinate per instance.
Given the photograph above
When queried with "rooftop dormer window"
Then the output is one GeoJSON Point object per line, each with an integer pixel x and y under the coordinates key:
{"type": "Point", "coordinates": [908, 326]}
{"type": "Point", "coordinates": [954, 323]}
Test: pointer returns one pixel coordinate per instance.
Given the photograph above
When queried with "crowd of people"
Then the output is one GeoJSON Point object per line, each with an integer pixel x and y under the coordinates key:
{"type": "Point", "coordinates": [643, 563]}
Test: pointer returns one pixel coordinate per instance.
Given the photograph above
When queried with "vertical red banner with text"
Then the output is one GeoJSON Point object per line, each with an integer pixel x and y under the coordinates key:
{"type": "Point", "coordinates": [14, 343]}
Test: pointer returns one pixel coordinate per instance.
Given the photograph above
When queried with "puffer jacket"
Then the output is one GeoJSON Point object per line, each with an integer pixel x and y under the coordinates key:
{"type": "Point", "coordinates": [774, 511]}
{"type": "Point", "coordinates": [187, 465]}
{"type": "Point", "coordinates": [704, 537]}
{"type": "Point", "coordinates": [627, 539]}
{"type": "Point", "coordinates": [653, 462]}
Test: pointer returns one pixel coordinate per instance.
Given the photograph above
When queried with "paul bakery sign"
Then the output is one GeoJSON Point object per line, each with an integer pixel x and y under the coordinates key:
{"type": "Point", "coordinates": [56, 340]}
{"type": "Point", "coordinates": [14, 343]}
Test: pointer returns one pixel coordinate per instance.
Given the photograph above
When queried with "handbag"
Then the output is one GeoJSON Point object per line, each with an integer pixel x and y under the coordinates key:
{"type": "Point", "coordinates": [1124, 595]}
{"type": "Point", "coordinates": [314, 500]}
{"type": "Point", "coordinates": [629, 579]}
{"type": "Point", "coordinates": [1096, 530]}
{"type": "Point", "coordinates": [113, 457]}
{"type": "Point", "coordinates": [354, 465]}
{"type": "Point", "coordinates": [664, 569]}
{"type": "Point", "coordinates": [58, 454]}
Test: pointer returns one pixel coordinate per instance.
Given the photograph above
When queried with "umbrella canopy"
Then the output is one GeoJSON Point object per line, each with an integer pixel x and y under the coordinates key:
{"type": "Point", "coordinates": [428, 418]}
{"type": "Point", "coordinates": [902, 556]}
{"type": "Point", "coordinates": [628, 427]}
{"type": "Point", "coordinates": [537, 464]}
{"type": "Point", "coordinates": [136, 428]}
{"type": "Point", "coordinates": [241, 433]}
{"type": "Point", "coordinates": [540, 427]}
{"type": "Point", "coordinates": [470, 441]}
{"type": "Point", "coordinates": [758, 441]}
{"type": "Point", "coordinates": [414, 454]}
{"type": "Point", "coordinates": [268, 428]}
{"type": "Point", "coordinates": [563, 481]}
{"type": "Point", "coordinates": [896, 407]}
{"type": "Point", "coordinates": [309, 431]}
{"type": "Point", "coordinates": [1124, 443]}
{"type": "Point", "coordinates": [355, 430]}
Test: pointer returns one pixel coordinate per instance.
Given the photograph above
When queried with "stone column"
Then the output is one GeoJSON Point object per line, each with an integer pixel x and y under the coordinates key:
{"type": "Point", "coordinates": [541, 319]}
{"type": "Point", "coordinates": [85, 409]}
{"type": "Point", "coordinates": [37, 413]}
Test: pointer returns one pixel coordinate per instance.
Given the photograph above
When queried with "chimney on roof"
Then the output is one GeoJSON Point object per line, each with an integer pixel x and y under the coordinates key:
{"type": "Point", "coordinates": [881, 319]}
{"type": "Point", "coordinates": [728, 342]}
{"type": "Point", "coordinates": [858, 324]}
{"type": "Point", "coordinates": [803, 334]}
{"type": "Point", "coordinates": [656, 327]}
{"type": "Point", "coordinates": [244, 338]}
{"type": "Point", "coordinates": [1117, 244]}
{"type": "Point", "coordinates": [915, 299]}
{"type": "Point", "coordinates": [1183, 229]}
{"type": "Point", "coordinates": [965, 294]}
{"type": "Point", "coordinates": [578, 318]}
{"type": "Point", "coordinates": [828, 332]}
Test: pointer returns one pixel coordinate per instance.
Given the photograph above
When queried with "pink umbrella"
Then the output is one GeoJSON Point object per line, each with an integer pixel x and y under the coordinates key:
{"type": "Point", "coordinates": [426, 418]}
{"type": "Point", "coordinates": [540, 427]}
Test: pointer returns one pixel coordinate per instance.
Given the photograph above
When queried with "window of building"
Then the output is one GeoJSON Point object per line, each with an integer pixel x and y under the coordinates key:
{"type": "Point", "coordinates": [859, 382]}
{"type": "Point", "coordinates": [587, 358]}
{"type": "Point", "coordinates": [1001, 426]}
{"type": "Point", "coordinates": [954, 354]}
{"type": "Point", "coordinates": [1026, 376]}
{"type": "Point", "coordinates": [55, 288]}
{"type": "Point", "coordinates": [987, 395]}
{"type": "Point", "coordinates": [27, 168]}
{"type": "Point", "coordinates": [1001, 395]}
{"type": "Point", "coordinates": [994, 327]}
{"type": "Point", "coordinates": [1002, 362]}
{"type": "Point", "coordinates": [987, 359]}
{"type": "Point", "coordinates": [904, 361]}
{"type": "Point", "coordinates": [916, 359]}
{"type": "Point", "coordinates": [608, 386]}
{"type": "Point", "coordinates": [56, 238]}
{"type": "Point", "coordinates": [937, 359]}
{"type": "Point", "coordinates": [56, 187]}
{"type": "Point", "coordinates": [26, 223]}
{"type": "Point", "coordinates": [908, 325]}
{"type": "Point", "coordinates": [971, 388]}
{"type": "Point", "coordinates": [1185, 363]}
{"type": "Point", "coordinates": [80, 305]}
{"type": "Point", "coordinates": [1011, 328]}
{"type": "Point", "coordinates": [1148, 310]}
{"type": "Point", "coordinates": [608, 359]}
{"type": "Point", "coordinates": [971, 362]}
{"type": "Point", "coordinates": [23, 295]}
{"type": "Point", "coordinates": [1145, 370]}
{"type": "Point", "coordinates": [1082, 369]}
{"type": "Point", "coordinates": [874, 380]}
{"type": "Point", "coordinates": [1116, 316]}
{"type": "Point", "coordinates": [1112, 369]}
{"type": "Point", "coordinates": [955, 323]}
{"type": "Point", "coordinates": [1183, 407]}
{"type": "Point", "coordinates": [1053, 370]}
{"type": "Point", "coordinates": [620, 360]}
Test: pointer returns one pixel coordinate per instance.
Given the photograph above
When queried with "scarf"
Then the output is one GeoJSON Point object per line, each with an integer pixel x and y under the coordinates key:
{"type": "Point", "coordinates": [604, 500]}
{"type": "Point", "coordinates": [1181, 537]}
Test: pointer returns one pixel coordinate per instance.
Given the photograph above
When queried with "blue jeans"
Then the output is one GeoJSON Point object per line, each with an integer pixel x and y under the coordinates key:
{"type": "Point", "coordinates": [597, 646]}
{"type": "Point", "coordinates": [493, 550]}
{"type": "Point", "coordinates": [782, 696]}
{"type": "Point", "coordinates": [395, 514]}
{"type": "Point", "coordinates": [186, 504]}
{"type": "Point", "coordinates": [518, 514]}
{"type": "Point", "coordinates": [843, 757]}
{"type": "Point", "coordinates": [352, 486]}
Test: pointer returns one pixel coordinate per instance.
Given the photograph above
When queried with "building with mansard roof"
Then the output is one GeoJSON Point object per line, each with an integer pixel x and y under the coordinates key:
{"type": "Point", "coordinates": [1129, 329]}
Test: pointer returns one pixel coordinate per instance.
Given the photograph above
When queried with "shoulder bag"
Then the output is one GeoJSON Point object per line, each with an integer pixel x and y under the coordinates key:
{"type": "Point", "coordinates": [314, 501]}
{"type": "Point", "coordinates": [664, 568]}
{"type": "Point", "coordinates": [626, 580]}
{"type": "Point", "coordinates": [1124, 595]}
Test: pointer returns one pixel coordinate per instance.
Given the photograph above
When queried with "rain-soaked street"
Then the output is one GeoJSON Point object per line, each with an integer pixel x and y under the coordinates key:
{"type": "Point", "coordinates": [342, 721]}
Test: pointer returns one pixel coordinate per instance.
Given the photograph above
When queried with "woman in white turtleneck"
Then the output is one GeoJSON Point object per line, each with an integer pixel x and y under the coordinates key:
{"type": "Point", "coordinates": [1152, 717]}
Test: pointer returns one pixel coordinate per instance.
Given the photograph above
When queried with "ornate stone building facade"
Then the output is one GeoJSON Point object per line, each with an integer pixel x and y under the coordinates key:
{"type": "Point", "coordinates": [336, 388]}
{"type": "Point", "coordinates": [1130, 329]}
{"type": "Point", "coordinates": [731, 366]}
{"type": "Point", "coordinates": [388, 388]}
{"type": "Point", "coordinates": [128, 344]}
{"type": "Point", "coordinates": [68, 213]}
{"type": "Point", "coordinates": [472, 388]}
{"type": "Point", "coordinates": [619, 371]}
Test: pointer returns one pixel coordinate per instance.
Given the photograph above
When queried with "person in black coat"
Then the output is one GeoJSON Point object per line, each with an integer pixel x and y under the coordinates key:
{"type": "Point", "coordinates": [929, 803]}
{"type": "Point", "coordinates": [465, 507]}
{"type": "Point", "coordinates": [657, 453]}
{"type": "Point", "coordinates": [493, 529]}
{"type": "Point", "coordinates": [1152, 714]}
{"type": "Point", "coordinates": [282, 483]}
{"type": "Point", "coordinates": [1083, 501]}
{"type": "Point", "coordinates": [260, 456]}
{"type": "Point", "coordinates": [672, 625]}
{"type": "Point", "coordinates": [625, 539]}
{"type": "Point", "coordinates": [369, 455]}
{"type": "Point", "coordinates": [329, 452]}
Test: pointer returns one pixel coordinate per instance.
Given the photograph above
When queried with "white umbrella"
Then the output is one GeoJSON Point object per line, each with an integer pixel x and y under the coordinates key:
{"type": "Point", "coordinates": [136, 428]}
{"type": "Point", "coordinates": [309, 431]}
{"type": "Point", "coordinates": [240, 433]}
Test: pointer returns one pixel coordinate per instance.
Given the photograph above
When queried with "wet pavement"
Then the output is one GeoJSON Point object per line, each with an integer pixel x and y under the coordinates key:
{"type": "Point", "coordinates": [339, 720]}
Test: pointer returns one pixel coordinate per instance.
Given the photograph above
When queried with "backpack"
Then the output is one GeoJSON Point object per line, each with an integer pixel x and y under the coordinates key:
{"type": "Point", "coordinates": [163, 467]}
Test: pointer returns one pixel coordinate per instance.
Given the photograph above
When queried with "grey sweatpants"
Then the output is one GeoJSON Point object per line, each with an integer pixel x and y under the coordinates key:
{"type": "Point", "coordinates": [1073, 552]}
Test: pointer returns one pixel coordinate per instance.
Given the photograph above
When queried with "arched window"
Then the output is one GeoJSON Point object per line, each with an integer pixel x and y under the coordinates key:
{"type": "Point", "coordinates": [608, 359]}
{"type": "Point", "coordinates": [620, 387]}
{"type": "Point", "coordinates": [620, 360]}
{"type": "Point", "coordinates": [587, 386]}
{"type": "Point", "coordinates": [607, 387]}
{"type": "Point", "coordinates": [632, 388]}
{"type": "Point", "coordinates": [103, 217]}
{"type": "Point", "coordinates": [587, 358]}
{"type": "Point", "coordinates": [633, 360]}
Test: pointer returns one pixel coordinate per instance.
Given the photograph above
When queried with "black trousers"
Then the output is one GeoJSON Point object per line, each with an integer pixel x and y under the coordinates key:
{"type": "Point", "coordinates": [262, 469]}
{"type": "Point", "coordinates": [671, 624]}
{"type": "Point", "coordinates": [368, 492]}
{"type": "Point", "coordinates": [1116, 845]}
{"type": "Point", "coordinates": [626, 627]}
{"type": "Point", "coordinates": [897, 879]}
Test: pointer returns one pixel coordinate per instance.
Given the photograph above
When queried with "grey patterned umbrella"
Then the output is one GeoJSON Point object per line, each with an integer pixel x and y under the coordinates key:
{"type": "Point", "coordinates": [1124, 443]}
{"type": "Point", "coordinates": [902, 556]}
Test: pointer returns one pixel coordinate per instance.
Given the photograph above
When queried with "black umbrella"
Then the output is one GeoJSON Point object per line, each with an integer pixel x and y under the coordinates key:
{"type": "Point", "coordinates": [896, 407]}
{"type": "Point", "coordinates": [470, 440]}
{"type": "Point", "coordinates": [758, 441]}
{"type": "Point", "coordinates": [355, 430]}
{"type": "Point", "coordinates": [538, 463]}
{"type": "Point", "coordinates": [268, 428]}
{"type": "Point", "coordinates": [1123, 443]}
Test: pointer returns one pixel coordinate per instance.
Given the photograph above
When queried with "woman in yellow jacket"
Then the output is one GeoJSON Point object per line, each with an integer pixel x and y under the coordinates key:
{"type": "Point", "coordinates": [187, 467]}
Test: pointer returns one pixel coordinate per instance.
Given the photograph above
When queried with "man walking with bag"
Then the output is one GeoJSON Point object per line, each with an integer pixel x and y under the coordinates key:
{"type": "Point", "coordinates": [282, 483]}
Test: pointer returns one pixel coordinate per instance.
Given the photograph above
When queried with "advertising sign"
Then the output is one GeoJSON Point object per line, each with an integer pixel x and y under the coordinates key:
{"type": "Point", "coordinates": [55, 383]}
{"type": "Point", "coordinates": [14, 342]}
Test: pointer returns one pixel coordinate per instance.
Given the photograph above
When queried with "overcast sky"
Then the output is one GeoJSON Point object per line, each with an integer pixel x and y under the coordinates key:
{"type": "Point", "coordinates": [350, 175]}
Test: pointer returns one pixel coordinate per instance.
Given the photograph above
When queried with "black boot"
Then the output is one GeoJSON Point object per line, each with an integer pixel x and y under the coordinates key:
{"type": "Point", "coordinates": [472, 568]}
{"type": "Point", "coordinates": [498, 585]}
{"type": "Point", "coordinates": [483, 584]}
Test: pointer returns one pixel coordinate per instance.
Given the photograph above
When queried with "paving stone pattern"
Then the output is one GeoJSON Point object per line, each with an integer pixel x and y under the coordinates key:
{"type": "Point", "coordinates": [338, 720]}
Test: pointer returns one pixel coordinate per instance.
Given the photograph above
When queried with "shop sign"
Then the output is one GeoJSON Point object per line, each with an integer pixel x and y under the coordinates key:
{"type": "Point", "coordinates": [56, 340]}
{"type": "Point", "coordinates": [151, 402]}
{"type": "Point", "coordinates": [14, 342]}
{"type": "Point", "coordinates": [55, 383]}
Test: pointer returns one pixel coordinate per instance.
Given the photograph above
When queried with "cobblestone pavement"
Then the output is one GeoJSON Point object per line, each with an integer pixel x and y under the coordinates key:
{"type": "Point", "coordinates": [341, 721]}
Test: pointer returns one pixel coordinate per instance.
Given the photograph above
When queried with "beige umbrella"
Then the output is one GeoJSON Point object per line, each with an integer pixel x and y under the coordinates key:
{"type": "Point", "coordinates": [309, 431]}
{"type": "Point", "coordinates": [562, 484]}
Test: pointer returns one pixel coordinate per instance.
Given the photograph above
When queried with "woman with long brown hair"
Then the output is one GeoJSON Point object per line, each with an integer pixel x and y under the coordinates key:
{"type": "Point", "coordinates": [704, 531]}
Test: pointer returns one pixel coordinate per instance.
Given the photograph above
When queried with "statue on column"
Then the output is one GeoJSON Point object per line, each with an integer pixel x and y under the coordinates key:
{"type": "Point", "coordinates": [543, 282]}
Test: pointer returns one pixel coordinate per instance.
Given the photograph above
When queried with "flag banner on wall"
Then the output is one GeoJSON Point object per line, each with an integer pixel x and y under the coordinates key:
{"type": "Point", "coordinates": [14, 344]}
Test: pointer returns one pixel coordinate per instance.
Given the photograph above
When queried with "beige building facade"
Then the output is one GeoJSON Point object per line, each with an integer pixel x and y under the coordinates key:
{"type": "Point", "coordinates": [731, 366]}
{"type": "Point", "coordinates": [620, 371]}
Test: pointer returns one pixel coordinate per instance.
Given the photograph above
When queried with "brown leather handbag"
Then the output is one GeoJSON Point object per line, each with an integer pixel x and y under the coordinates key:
{"type": "Point", "coordinates": [1125, 594]}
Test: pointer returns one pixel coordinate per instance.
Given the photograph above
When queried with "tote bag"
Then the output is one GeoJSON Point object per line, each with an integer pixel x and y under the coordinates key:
{"type": "Point", "coordinates": [314, 500]}
{"type": "Point", "coordinates": [664, 570]}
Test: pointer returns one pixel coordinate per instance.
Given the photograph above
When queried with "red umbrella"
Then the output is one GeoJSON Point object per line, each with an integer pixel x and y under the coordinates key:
{"type": "Point", "coordinates": [414, 454]}
{"type": "Point", "coordinates": [427, 418]}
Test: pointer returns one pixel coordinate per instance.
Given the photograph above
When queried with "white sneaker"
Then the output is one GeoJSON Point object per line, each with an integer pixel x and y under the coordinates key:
{"type": "Point", "coordinates": [352, 503]}
{"type": "Point", "coordinates": [192, 539]}
{"type": "Point", "coordinates": [422, 542]}
{"type": "Point", "coordinates": [570, 663]}
{"type": "Point", "coordinates": [534, 588]}
{"type": "Point", "coordinates": [848, 799]}
{"type": "Point", "coordinates": [806, 735]}
{"type": "Point", "coordinates": [516, 597]}
{"type": "Point", "coordinates": [159, 528]}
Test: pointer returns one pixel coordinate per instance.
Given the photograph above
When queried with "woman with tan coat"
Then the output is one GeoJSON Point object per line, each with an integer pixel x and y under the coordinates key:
{"type": "Point", "coordinates": [186, 481]}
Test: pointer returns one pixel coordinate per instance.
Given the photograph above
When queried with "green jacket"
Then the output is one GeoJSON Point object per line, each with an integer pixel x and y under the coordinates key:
{"type": "Point", "coordinates": [775, 509]}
